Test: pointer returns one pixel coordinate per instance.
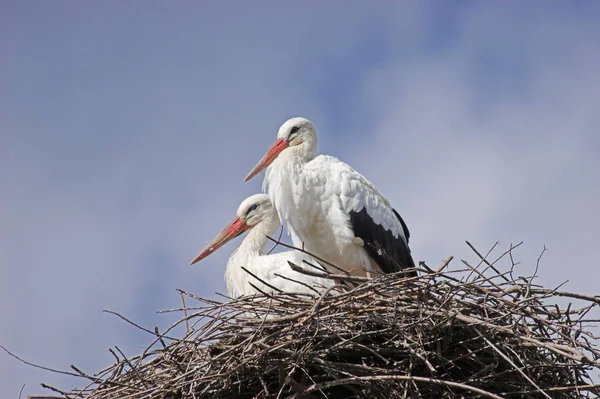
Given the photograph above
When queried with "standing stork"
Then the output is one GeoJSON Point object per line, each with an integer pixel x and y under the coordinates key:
{"type": "Point", "coordinates": [257, 216]}
{"type": "Point", "coordinates": [332, 211]}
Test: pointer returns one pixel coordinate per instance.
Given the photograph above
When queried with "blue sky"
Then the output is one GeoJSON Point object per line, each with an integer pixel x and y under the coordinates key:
{"type": "Point", "coordinates": [127, 129]}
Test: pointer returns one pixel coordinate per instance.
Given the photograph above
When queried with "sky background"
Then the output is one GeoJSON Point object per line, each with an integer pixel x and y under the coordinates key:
{"type": "Point", "coordinates": [127, 128]}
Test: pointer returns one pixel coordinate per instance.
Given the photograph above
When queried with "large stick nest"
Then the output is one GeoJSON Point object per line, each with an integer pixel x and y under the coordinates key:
{"type": "Point", "coordinates": [471, 332]}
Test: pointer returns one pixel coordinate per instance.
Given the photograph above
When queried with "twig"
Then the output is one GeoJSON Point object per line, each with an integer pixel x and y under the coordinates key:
{"type": "Point", "coordinates": [498, 351]}
{"type": "Point", "coordinates": [311, 255]}
{"type": "Point", "coordinates": [444, 264]}
{"type": "Point", "coordinates": [342, 277]}
{"type": "Point", "coordinates": [136, 325]}
{"type": "Point", "coordinates": [483, 259]}
{"type": "Point", "coordinates": [438, 334]}
{"type": "Point", "coordinates": [357, 380]}
{"type": "Point", "coordinates": [37, 366]}
{"type": "Point", "coordinates": [187, 323]}
{"type": "Point", "coordinates": [276, 241]}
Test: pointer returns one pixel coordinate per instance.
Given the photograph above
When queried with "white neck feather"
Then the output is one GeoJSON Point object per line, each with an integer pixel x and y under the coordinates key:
{"type": "Point", "coordinates": [251, 248]}
{"type": "Point", "coordinates": [256, 240]}
{"type": "Point", "coordinates": [307, 150]}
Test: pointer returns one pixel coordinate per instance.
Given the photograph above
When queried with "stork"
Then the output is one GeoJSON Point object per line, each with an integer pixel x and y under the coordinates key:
{"type": "Point", "coordinates": [257, 216]}
{"type": "Point", "coordinates": [331, 210]}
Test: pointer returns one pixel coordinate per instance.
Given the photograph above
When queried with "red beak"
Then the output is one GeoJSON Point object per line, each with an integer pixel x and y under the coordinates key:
{"type": "Point", "coordinates": [269, 157]}
{"type": "Point", "coordinates": [232, 230]}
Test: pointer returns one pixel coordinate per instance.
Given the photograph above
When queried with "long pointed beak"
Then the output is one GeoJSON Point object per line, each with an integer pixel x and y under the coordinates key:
{"type": "Point", "coordinates": [269, 157]}
{"type": "Point", "coordinates": [232, 230]}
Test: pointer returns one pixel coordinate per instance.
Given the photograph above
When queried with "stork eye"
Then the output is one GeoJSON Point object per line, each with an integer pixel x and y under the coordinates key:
{"type": "Point", "coordinates": [294, 130]}
{"type": "Point", "coordinates": [252, 208]}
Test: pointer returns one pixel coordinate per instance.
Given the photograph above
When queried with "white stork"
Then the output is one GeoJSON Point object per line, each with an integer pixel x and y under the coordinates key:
{"type": "Point", "coordinates": [332, 210]}
{"type": "Point", "coordinates": [256, 214]}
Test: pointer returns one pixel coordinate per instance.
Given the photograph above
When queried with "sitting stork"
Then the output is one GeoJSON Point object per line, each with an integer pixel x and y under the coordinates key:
{"type": "Point", "coordinates": [332, 211]}
{"type": "Point", "coordinates": [257, 216]}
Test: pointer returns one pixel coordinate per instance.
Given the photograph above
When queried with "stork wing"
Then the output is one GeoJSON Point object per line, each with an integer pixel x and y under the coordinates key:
{"type": "Point", "coordinates": [392, 254]}
{"type": "Point", "coordinates": [374, 220]}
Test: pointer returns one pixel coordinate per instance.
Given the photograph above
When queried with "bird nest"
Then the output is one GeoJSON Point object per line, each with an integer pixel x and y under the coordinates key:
{"type": "Point", "coordinates": [472, 331]}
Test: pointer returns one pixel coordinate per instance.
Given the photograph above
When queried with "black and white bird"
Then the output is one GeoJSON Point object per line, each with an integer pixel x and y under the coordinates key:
{"type": "Point", "coordinates": [331, 210]}
{"type": "Point", "coordinates": [257, 216]}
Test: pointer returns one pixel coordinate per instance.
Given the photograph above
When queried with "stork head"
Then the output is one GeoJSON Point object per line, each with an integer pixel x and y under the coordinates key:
{"type": "Point", "coordinates": [295, 135]}
{"type": "Point", "coordinates": [251, 212]}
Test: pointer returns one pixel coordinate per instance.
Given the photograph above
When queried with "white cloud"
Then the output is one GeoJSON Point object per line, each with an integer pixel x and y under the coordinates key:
{"type": "Point", "coordinates": [515, 165]}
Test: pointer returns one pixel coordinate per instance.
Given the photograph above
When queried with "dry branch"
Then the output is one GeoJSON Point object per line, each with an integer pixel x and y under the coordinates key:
{"type": "Point", "coordinates": [444, 334]}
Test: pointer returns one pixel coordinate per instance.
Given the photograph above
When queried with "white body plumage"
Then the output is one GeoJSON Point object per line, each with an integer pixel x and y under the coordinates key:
{"type": "Point", "coordinates": [331, 210]}
{"type": "Point", "coordinates": [257, 216]}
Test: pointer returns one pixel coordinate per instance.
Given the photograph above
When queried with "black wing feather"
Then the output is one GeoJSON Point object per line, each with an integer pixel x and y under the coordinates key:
{"type": "Point", "coordinates": [391, 253]}
{"type": "Point", "coordinates": [404, 226]}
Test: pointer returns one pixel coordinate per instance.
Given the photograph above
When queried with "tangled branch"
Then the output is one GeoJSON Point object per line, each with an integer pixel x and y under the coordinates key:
{"type": "Point", "coordinates": [467, 332]}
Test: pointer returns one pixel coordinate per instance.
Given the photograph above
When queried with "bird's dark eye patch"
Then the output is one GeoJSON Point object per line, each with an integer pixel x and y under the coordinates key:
{"type": "Point", "coordinates": [252, 208]}
{"type": "Point", "coordinates": [294, 130]}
